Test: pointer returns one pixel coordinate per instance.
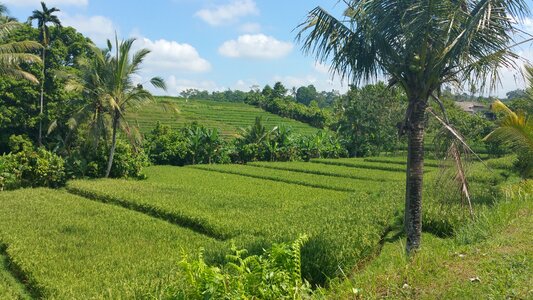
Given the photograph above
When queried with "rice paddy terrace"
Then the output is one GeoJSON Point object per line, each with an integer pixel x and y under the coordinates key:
{"type": "Point", "coordinates": [111, 238]}
{"type": "Point", "coordinates": [228, 117]}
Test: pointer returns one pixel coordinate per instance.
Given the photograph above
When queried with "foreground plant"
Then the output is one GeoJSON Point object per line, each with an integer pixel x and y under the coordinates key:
{"type": "Point", "coordinates": [420, 46]}
{"type": "Point", "coordinates": [274, 275]}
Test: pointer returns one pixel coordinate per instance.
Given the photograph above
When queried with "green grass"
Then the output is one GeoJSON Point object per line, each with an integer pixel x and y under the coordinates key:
{"type": "Point", "coordinates": [502, 260]}
{"type": "Point", "coordinates": [68, 247]}
{"type": "Point", "coordinates": [228, 117]}
{"type": "Point", "coordinates": [10, 287]}
{"type": "Point", "coordinates": [344, 227]}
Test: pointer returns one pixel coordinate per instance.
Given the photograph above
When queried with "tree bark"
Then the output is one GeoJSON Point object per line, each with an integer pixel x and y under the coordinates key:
{"type": "Point", "coordinates": [113, 144]}
{"type": "Point", "coordinates": [41, 110]}
{"type": "Point", "coordinates": [415, 175]}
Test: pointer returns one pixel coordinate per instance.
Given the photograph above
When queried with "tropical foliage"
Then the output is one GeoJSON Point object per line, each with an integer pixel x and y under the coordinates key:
{"type": "Point", "coordinates": [516, 131]}
{"type": "Point", "coordinates": [420, 46]}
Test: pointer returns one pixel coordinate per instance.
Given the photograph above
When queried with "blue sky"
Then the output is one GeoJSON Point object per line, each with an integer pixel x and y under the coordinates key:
{"type": "Point", "coordinates": [213, 44]}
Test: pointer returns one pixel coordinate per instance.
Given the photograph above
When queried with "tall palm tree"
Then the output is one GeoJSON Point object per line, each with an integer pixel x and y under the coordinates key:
{"type": "Point", "coordinates": [119, 88]}
{"type": "Point", "coordinates": [44, 17]}
{"type": "Point", "coordinates": [419, 45]}
{"type": "Point", "coordinates": [516, 131]}
{"type": "Point", "coordinates": [13, 54]}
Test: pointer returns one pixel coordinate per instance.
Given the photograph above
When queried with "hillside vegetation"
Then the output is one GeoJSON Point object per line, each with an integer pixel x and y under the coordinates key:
{"type": "Point", "coordinates": [227, 117]}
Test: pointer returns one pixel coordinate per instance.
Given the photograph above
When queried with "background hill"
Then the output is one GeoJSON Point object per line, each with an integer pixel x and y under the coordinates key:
{"type": "Point", "coordinates": [228, 117]}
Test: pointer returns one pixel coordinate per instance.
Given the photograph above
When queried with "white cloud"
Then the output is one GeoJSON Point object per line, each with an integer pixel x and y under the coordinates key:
{"type": "Point", "coordinates": [176, 86]}
{"type": "Point", "coordinates": [321, 68]}
{"type": "Point", "coordinates": [172, 56]}
{"type": "Point", "coordinates": [49, 3]}
{"type": "Point", "coordinates": [250, 27]}
{"type": "Point", "coordinates": [322, 82]}
{"type": "Point", "coordinates": [97, 28]}
{"type": "Point", "coordinates": [228, 13]}
{"type": "Point", "coordinates": [255, 46]}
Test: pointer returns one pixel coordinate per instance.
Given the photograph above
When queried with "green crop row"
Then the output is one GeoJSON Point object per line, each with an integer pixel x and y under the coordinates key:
{"type": "Point", "coordinates": [401, 161]}
{"type": "Point", "coordinates": [10, 287]}
{"type": "Point", "coordinates": [254, 213]}
{"type": "Point", "coordinates": [67, 247]}
{"type": "Point", "coordinates": [334, 183]}
{"type": "Point", "coordinates": [332, 170]}
{"type": "Point", "coordinates": [360, 163]}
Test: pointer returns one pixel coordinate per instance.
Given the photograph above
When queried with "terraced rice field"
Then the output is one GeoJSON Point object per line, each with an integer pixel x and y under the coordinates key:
{"type": "Point", "coordinates": [123, 238]}
{"type": "Point", "coordinates": [228, 117]}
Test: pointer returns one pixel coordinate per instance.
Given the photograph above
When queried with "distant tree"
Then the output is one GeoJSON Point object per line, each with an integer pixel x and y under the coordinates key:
{"type": "Point", "coordinates": [420, 46]}
{"type": "Point", "coordinates": [306, 94]}
{"type": "Point", "coordinates": [516, 94]}
{"type": "Point", "coordinates": [367, 119]}
{"type": "Point", "coordinates": [43, 18]}
{"type": "Point", "coordinates": [267, 91]}
{"type": "Point", "coordinates": [280, 91]}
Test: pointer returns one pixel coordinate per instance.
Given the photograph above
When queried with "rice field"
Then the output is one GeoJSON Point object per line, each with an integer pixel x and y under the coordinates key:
{"type": "Point", "coordinates": [227, 117]}
{"type": "Point", "coordinates": [112, 238]}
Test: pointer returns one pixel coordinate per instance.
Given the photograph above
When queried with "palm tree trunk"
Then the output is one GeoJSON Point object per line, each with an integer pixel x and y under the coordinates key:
{"type": "Point", "coordinates": [113, 144]}
{"type": "Point", "coordinates": [41, 110]}
{"type": "Point", "coordinates": [415, 174]}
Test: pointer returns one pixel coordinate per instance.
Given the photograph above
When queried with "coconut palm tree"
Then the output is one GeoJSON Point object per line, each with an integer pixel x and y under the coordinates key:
{"type": "Point", "coordinates": [515, 131]}
{"type": "Point", "coordinates": [419, 45]}
{"type": "Point", "coordinates": [13, 54]}
{"type": "Point", "coordinates": [119, 90]}
{"type": "Point", "coordinates": [44, 17]}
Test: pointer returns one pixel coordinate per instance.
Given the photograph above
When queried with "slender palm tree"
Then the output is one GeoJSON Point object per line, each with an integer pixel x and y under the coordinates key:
{"type": "Point", "coordinates": [13, 54]}
{"type": "Point", "coordinates": [419, 45]}
{"type": "Point", "coordinates": [515, 130]}
{"type": "Point", "coordinates": [119, 89]}
{"type": "Point", "coordinates": [44, 17]}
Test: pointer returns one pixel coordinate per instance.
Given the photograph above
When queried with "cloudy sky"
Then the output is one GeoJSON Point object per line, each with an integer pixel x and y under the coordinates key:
{"type": "Point", "coordinates": [214, 44]}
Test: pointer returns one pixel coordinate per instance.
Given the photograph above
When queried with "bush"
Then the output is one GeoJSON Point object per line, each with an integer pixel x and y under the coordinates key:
{"type": "Point", "coordinates": [32, 168]}
{"type": "Point", "coordinates": [193, 144]}
{"type": "Point", "coordinates": [88, 162]}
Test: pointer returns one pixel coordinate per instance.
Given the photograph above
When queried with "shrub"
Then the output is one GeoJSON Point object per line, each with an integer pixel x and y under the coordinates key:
{"type": "Point", "coordinates": [32, 168]}
{"type": "Point", "coordinates": [193, 144]}
{"type": "Point", "coordinates": [89, 162]}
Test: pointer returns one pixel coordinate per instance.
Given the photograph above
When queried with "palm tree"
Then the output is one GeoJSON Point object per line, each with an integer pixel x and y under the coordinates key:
{"type": "Point", "coordinates": [119, 90]}
{"type": "Point", "coordinates": [43, 18]}
{"type": "Point", "coordinates": [13, 54]}
{"type": "Point", "coordinates": [419, 45]}
{"type": "Point", "coordinates": [516, 131]}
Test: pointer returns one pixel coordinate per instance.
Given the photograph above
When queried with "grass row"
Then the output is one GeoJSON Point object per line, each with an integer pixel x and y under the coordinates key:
{"type": "Point", "coordinates": [10, 286]}
{"type": "Point", "coordinates": [334, 183]}
{"type": "Point", "coordinates": [332, 170]}
{"type": "Point", "coordinates": [254, 213]}
{"type": "Point", "coordinates": [401, 161]}
{"type": "Point", "coordinates": [361, 163]}
{"type": "Point", "coordinates": [68, 247]}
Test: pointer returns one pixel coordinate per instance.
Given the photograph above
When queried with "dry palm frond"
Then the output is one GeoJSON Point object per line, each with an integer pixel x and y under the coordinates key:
{"type": "Point", "coordinates": [455, 164]}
